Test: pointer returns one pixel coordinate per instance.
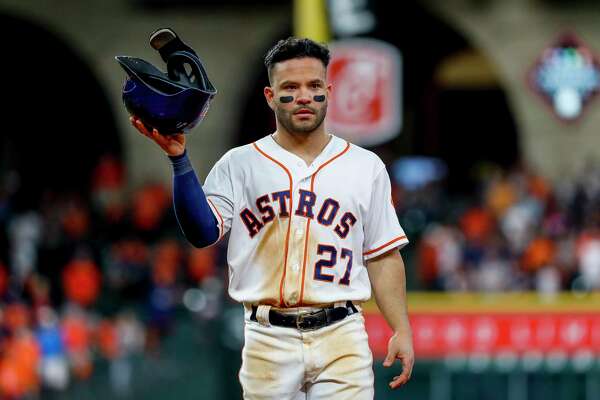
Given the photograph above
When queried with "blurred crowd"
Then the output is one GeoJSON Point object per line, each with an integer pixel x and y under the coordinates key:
{"type": "Point", "coordinates": [98, 275]}
{"type": "Point", "coordinates": [92, 276]}
{"type": "Point", "coordinates": [520, 232]}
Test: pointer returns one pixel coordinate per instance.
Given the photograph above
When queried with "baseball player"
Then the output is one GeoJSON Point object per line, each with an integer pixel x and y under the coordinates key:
{"type": "Point", "coordinates": [312, 230]}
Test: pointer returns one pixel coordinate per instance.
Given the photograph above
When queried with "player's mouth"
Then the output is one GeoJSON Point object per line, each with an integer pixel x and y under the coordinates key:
{"type": "Point", "coordinates": [304, 112]}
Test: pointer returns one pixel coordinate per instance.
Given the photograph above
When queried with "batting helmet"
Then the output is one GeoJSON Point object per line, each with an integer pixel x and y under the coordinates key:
{"type": "Point", "coordinates": [171, 102]}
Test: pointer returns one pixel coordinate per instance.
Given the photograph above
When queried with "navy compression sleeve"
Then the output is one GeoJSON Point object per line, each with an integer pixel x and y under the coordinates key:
{"type": "Point", "coordinates": [192, 211]}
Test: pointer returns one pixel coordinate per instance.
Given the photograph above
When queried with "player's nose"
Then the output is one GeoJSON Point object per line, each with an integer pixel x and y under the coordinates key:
{"type": "Point", "coordinates": [303, 99]}
{"type": "Point", "coordinates": [304, 96]}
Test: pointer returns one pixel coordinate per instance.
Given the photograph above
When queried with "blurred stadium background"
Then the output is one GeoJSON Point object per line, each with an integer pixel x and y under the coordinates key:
{"type": "Point", "coordinates": [483, 111]}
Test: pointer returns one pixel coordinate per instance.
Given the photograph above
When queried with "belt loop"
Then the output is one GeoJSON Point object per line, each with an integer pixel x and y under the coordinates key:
{"type": "Point", "coordinates": [354, 307]}
{"type": "Point", "coordinates": [262, 314]}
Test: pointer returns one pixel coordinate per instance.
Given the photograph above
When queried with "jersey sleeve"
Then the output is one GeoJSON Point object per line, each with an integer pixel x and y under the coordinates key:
{"type": "Point", "coordinates": [218, 188]}
{"type": "Point", "coordinates": [382, 229]}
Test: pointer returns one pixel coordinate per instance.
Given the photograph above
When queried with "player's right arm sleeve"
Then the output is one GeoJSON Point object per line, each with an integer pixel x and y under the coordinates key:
{"type": "Point", "coordinates": [193, 213]}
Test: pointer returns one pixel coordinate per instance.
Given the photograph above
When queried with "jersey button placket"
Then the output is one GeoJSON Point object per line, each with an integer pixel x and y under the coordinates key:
{"type": "Point", "coordinates": [296, 251]}
{"type": "Point", "coordinates": [302, 231]}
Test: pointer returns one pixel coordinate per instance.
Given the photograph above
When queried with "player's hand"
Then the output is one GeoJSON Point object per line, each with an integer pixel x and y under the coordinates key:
{"type": "Point", "coordinates": [173, 145]}
{"type": "Point", "coordinates": [400, 347]}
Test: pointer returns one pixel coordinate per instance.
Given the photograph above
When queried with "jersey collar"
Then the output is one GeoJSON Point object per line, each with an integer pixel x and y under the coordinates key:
{"type": "Point", "coordinates": [295, 163]}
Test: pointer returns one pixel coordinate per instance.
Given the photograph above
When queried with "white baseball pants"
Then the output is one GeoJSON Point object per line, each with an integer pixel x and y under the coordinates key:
{"type": "Point", "coordinates": [333, 362]}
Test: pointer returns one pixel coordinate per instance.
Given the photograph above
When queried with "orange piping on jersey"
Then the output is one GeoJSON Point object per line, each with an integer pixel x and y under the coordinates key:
{"type": "Point", "coordinates": [383, 246]}
{"type": "Point", "coordinates": [287, 236]}
{"type": "Point", "coordinates": [304, 258]}
{"type": "Point", "coordinates": [221, 225]}
{"type": "Point", "coordinates": [312, 186]}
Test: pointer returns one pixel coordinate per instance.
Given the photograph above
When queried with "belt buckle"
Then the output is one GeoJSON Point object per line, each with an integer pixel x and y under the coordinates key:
{"type": "Point", "coordinates": [304, 323]}
{"type": "Point", "coordinates": [300, 319]}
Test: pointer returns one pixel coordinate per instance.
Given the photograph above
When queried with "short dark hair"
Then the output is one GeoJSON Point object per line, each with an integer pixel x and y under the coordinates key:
{"type": "Point", "coordinates": [294, 47]}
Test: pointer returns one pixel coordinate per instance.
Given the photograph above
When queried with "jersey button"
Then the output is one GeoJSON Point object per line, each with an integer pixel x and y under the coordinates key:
{"type": "Point", "coordinates": [294, 298]}
{"type": "Point", "coordinates": [295, 267]}
{"type": "Point", "coordinates": [299, 233]}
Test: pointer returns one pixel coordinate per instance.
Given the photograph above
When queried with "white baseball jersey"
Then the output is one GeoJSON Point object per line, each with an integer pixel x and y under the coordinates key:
{"type": "Point", "coordinates": [301, 234]}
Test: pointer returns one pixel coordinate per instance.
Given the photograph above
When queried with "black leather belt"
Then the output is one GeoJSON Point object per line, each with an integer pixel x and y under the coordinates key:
{"type": "Point", "coordinates": [308, 321]}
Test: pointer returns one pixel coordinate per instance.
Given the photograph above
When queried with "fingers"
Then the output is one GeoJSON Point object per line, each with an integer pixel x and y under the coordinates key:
{"type": "Point", "coordinates": [389, 359]}
{"type": "Point", "coordinates": [404, 377]}
{"type": "Point", "coordinates": [158, 138]}
{"type": "Point", "coordinates": [399, 380]}
{"type": "Point", "coordinates": [172, 144]}
{"type": "Point", "coordinates": [139, 125]}
{"type": "Point", "coordinates": [179, 138]}
{"type": "Point", "coordinates": [407, 366]}
{"type": "Point", "coordinates": [154, 134]}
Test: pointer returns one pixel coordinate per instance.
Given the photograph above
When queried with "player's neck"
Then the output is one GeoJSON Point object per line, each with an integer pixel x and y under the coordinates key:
{"type": "Point", "coordinates": [305, 145]}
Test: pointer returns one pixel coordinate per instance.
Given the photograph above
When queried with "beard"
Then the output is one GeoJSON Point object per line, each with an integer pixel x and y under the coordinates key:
{"type": "Point", "coordinates": [286, 118]}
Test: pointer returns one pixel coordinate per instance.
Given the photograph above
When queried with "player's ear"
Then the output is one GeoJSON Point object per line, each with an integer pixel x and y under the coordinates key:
{"type": "Point", "coordinates": [329, 89]}
{"type": "Point", "coordinates": [268, 92]}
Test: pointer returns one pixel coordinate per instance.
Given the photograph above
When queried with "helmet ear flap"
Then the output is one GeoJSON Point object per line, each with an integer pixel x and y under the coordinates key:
{"type": "Point", "coordinates": [187, 69]}
{"type": "Point", "coordinates": [183, 69]}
